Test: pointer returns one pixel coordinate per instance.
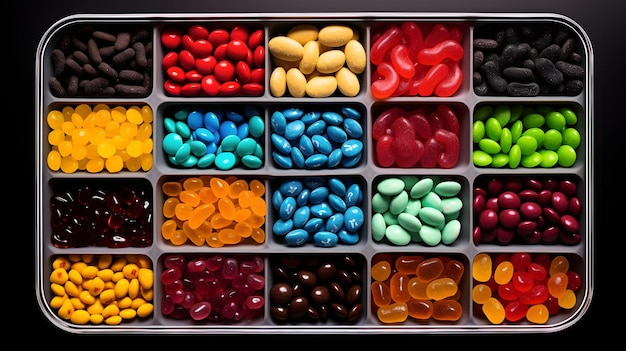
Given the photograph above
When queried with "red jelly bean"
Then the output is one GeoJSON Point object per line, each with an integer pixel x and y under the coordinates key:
{"type": "Point", "coordinates": [383, 44]}
{"type": "Point", "coordinates": [432, 149]}
{"type": "Point", "coordinates": [197, 31]}
{"type": "Point", "coordinates": [236, 50]}
{"type": "Point", "coordinates": [191, 89]}
{"type": "Point", "coordinates": [388, 82]}
{"type": "Point", "coordinates": [447, 49]}
{"type": "Point", "coordinates": [239, 32]}
{"type": "Point", "coordinates": [452, 82]}
{"type": "Point", "coordinates": [450, 118]}
{"type": "Point", "coordinates": [384, 153]}
{"type": "Point", "coordinates": [451, 145]}
{"type": "Point", "coordinates": [218, 37]}
{"type": "Point", "coordinates": [170, 59]}
{"type": "Point", "coordinates": [171, 38]}
{"type": "Point", "coordinates": [186, 60]}
{"type": "Point", "coordinates": [384, 120]}
{"type": "Point", "coordinates": [421, 125]}
{"type": "Point", "coordinates": [515, 311]}
{"type": "Point", "coordinates": [434, 76]}
{"type": "Point", "coordinates": [413, 37]}
{"type": "Point", "coordinates": [255, 39]}
{"type": "Point", "coordinates": [201, 48]}
{"type": "Point", "coordinates": [438, 34]}
{"type": "Point", "coordinates": [401, 61]}
{"type": "Point", "coordinates": [210, 85]}
{"type": "Point", "coordinates": [176, 74]}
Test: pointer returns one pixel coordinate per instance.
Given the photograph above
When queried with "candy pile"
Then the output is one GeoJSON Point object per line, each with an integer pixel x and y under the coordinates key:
{"type": "Point", "coordinates": [409, 209]}
{"type": "Point", "coordinates": [418, 287]}
{"type": "Point", "coordinates": [216, 288]}
{"type": "Point", "coordinates": [102, 289]}
{"type": "Point", "coordinates": [103, 62]}
{"type": "Point", "coordinates": [214, 211]}
{"type": "Point", "coordinates": [205, 61]}
{"type": "Point", "coordinates": [221, 138]}
{"type": "Point", "coordinates": [424, 136]}
{"type": "Point", "coordinates": [411, 59]}
{"type": "Point", "coordinates": [320, 210]}
{"type": "Point", "coordinates": [532, 210]}
{"type": "Point", "coordinates": [530, 136]}
{"type": "Point", "coordinates": [518, 286]}
{"type": "Point", "coordinates": [101, 214]}
{"type": "Point", "coordinates": [313, 288]}
{"type": "Point", "coordinates": [100, 137]}
{"type": "Point", "coordinates": [316, 139]}
{"type": "Point", "coordinates": [317, 61]}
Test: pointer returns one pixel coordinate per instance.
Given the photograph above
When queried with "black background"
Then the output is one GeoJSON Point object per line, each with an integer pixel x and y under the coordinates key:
{"type": "Point", "coordinates": [602, 20]}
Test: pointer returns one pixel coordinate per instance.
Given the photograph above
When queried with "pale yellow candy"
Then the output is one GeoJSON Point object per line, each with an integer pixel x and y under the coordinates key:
{"type": "Point", "coordinates": [303, 33]}
{"type": "Point", "coordinates": [310, 57]}
{"type": "Point", "coordinates": [331, 61]}
{"type": "Point", "coordinates": [347, 82]}
{"type": "Point", "coordinates": [285, 48]}
{"type": "Point", "coordinates": [296, 82]}
{"type": "Point", "coordinates": [335, 35]}
{"type": "Point", "coordinates": [356, 58]}
{"type": "Point", "coordinates": [321, 86]}
{"type": "Point", "coordinates": [278, 82]}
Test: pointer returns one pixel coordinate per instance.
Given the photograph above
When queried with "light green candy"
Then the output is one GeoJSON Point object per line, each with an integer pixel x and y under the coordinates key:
{"type": "Point", "coordinates": [409, 222]}
{"type": "Point", "coordinates": [430, 236]}
{"type": "Point", "coordinates": [555, 120]}
{"type": "Point", "coordinates": [571, 137]}
{"type": "Point", "coordinates": [532, 160]}
{"type": "Point", "coordinates": [413, 207]}
{"type": "Point", "coordinates": [500, 160]}
{"type": "Point", "coordinates": [451, 205]}
{"type": "Point", "coordinates": [398, 203]}
{"type": "Point", "coordinates": [478, 131]}
{"type": "Point", "coordinates": [527, 144]}
{"type": "Point", "coordinates": [390, 186]}
{"type": "Point", "coordinates": [489, 146]}
{"type": "Point", "coordinates": [567, 155]}
{"type": "Point", "coordinates": [537, 134]}
{"type": "Point", "coordinates": [378, 227]}
{"type": "Point", "coordinates": [515, 156]}
{"type": "Point", "coordinates": [421, 188]}
{"type": "Point", "coordinates": [409, 181]}
{"type": "Point", "coordinates": [506, 140]}
{"type": "Point", "coordinates": [570, 115]}
{"type": "Point", "coordinates": [481, 158]}
{"type": "Point", "coordinates": [448, 188]}
{"type": "Point", "coordinates": [380, 203]}
{"type": "Point", "coordinates": [549, 158]}
{"type": "Point", "coordinates": [516, 130]}
{"type": "Point", "coordinates": [432, 200]}
{"type": "Point", "coordinates": [552, 139]}
{"type": "Point", "coordinates": [431, 216]}
{"type": "Point", "coordinates": [390, 218]}
{"type": "Point", "coordinates": [502, 113]}
{"type": "Point", "coordinates": [493, 129]}
{"type": "Point", "coordinates": [451, 232]}
{"type": "Point", "coordinates": [533, 120]}
{"type": "Point", "coordinates": [397, 235]}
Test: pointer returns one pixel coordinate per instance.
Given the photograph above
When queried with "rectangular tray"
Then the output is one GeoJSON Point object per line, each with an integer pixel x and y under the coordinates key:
{"type": "Point", "coordinates": [366, 172]}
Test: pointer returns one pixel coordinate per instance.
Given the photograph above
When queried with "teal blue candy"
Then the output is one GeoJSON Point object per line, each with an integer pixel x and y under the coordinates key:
{"type": "Point", "coordinates": [489, 146]}
{"type": "Point", "coordinates": [169, 124]}
{"type": "Point", "coordinates": [229, 143]}
{"type": "Point", "coordinates": [325, 239]}
{"type": "Point", "coordinates": [171, 143]}
{"type": "Point", "coordinates": [413, 207]}
{"type": "Point", "coordinates": [493, 129]}
{"type": "Point", "coordinates": [206, 161]}
{"type": "Point", "coordinates": [353, 128]}
{"type": "Point", "coordinates": [431, 216]}
{"type": "Point", "coordinates": [531, 161]}
{"type": "Point", "coordinates": [390, 186]}
{"type": "Point", "coordinates": [354, 218]}
{"type": "Point", "coordinates": [256, 126]}
{"type": "Point", "coordinates": [198, 148]}
{"type": "Point", "coordinates": [211, 121]}
{"type": "Point", "coordinates": [183, 152]}
{"type": "Point", "coordinates": [571, 137]}
{"type": "Point", "coordinates": [430, 236]}
{"type": "Point", "coordinates": [432, 200]}
{"type": "Point", "coordinates": [183, 129]}
{"type": "Point", "coordinates": [450, 232]}
{"type": "Point", "coordinates": [251, 161]}
{"type": "Point", "coordinates": [506, 140]}
{"type": "Point", "coordinates": [294, 130]}
{"type": "Point", "coordinates": [296, 237]}
{"type": "Point", "coordinates": [478, 131]}
{"type": "Point", "coordinates": [448, 188]}
{"type": "Point", "coordinates": [500, 160]}
{"type": "Point", "coordinates": [332, 118]}
{"type": "Point", "coordinates": [310, 117]}
{"type": "Point", "coordinates": [181, 115]}
{"type": "Point", "coordinates": [421, 188]}
{"type": "Point", "coordinates": [190, 161]}
{"type": "Point", "coordinates": [245, 147]}
{"type": "Point", "coordinates": [348, 237]}
{"type": "Point", "coordinates": [527, 144]}
{"type": "Point", "coordinates": [481, 158]}
{"type": "Point", "coordinates": [353, 196]}
{"type": "Point", "coordinates": [549, 158]}
{"type": "Point", "coordinates": [316, 161]}
{"type": "Point", "coordinates": [552, 139]}
{"type": "Point", "coordinates": [336, 134]}
{"type": "Point", "coordinates": [293, 113]}
{"type": "Point", "coordinates": [398, 202]}
{"type": "Point", "coordinates": [321, 144]}
{"type": "Point", "coordinates": [336, 202]}
{"type": "Point", "coordinates": [336, 186]}
{"type": "Point", "coordinates": [225, 160]}
{"type": "Point", "coordinates": [515, 156]}
{"type": "Point", "coordinates": [409, 222]}
{"type": "Point", "coordinates": [380, 202]}
{"type": "Point", "coordinates": [502, 113]}
{"type": "Point", "coordinates": [397, 235]}
{"type": "Point", "coordinates": [350, 112]}
{"type": "Point", "coordinates": [352, 148]}
{"type": "Point", "coordinates": [567, 155]}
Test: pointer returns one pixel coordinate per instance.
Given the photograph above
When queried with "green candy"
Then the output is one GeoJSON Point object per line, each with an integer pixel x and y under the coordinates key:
{"type": "Point", "coordinates": [483, 112]}
{"type": "Point", "coordinates": [493, 129]}
{"type": "Point", "coordinates": [515, 156]}
{"type": "Point", "coordinates": [390, 186]}
{"type": "Point", "coordinates": [398, 203]}
{"type": "Point", "coordinates": [430, 236]}
{"type": "Point", "coordinates": [431, 216]}
{"type": "Point", "coordinates": [502, 113]}
{"type": "Point", "coordinates": [421, 188]}
{"type": "Point", "coordinates": [481, 158]}
{"type": "Point", "coordinates": [570, 115]}
{"type": "Point", "coordinates": [555, 120]}
{"type": "Point", "coordinates": [413, 207]}
{"type": "Point", "coordinates": [397, 235]}
{"type": "Point", "coordinates": [567, 155]}
{"type": "Point", "coordinates": [571, 137]}
{"type": "Point", "coordinates": [489, 146]}
{"type": "Point", "coordinates": [448, 188]}
{"type": "Point", "coordinates": [500, 160]}
{"type": "Point", "coordinates": [552, 139]}
{"type": "Point", "coordinates": [537, 134]}
{"type": "Point", "coordinates": [378, 227]}
{"type": "Point", "coordinates": [432, 200]}
{"type": "Point", "coordinates": [531, 161]}
{"type": "Point", "coordinates": [516, 130]}
{"type": "Point", "coordinates": [409, 223]}
{"type": "Point", "coordinates": [527, 144]}
{"type": "Point", "coordinates": [533, 120]}
{"type": "Point", "coordinates": [549, 158]}
{"type": "Point", "coordinates": [380, 203]}
{"type": "Point", "coordinates": [506, 140]}
{"type": "Point", "coordinates": [478, 131]}
{"type": "Point", "coordinates": [451, 232]}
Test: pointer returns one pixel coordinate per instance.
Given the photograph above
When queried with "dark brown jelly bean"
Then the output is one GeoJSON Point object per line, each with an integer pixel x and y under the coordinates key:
{"type": "Point", "coordinates": [89, 63]}
{"type": "Point", "coordinates": [311, 288]}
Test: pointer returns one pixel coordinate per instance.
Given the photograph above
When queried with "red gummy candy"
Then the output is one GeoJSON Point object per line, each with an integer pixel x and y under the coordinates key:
{"type": "Point", "coordinates": [432, 149]}
{"type": "Point", "coordinates": [384, 154]}
{"type": "Point", "coordinates": [438, 34]}
{"type": "Point", "coordinates": [384, 120]}
{"type": "Point", "coordinates": [413, 38]}
{"type": "Point", "coordinates": [414, 152]}
{"type": "Point", "coordinates": [451, 83]}
{"type": "Point", "coordinates": [421, 125]}
{"type": "Point", "coordinates": [447, 49]}
{"type": "Point", "coordinates": [403, 136]}
{"type": "Point", "coordinates": [383, 44]}
{"type": "Point", "coordinates": [449, 157]}
{"type": "Point", "coordinates": [401, 61]}
{"type": "Point", "coordinates": [387, 82]}
{"type": "Point", "coordinates": [450, 118]}
{"type": "Point", "coordinates": [434, 76]}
